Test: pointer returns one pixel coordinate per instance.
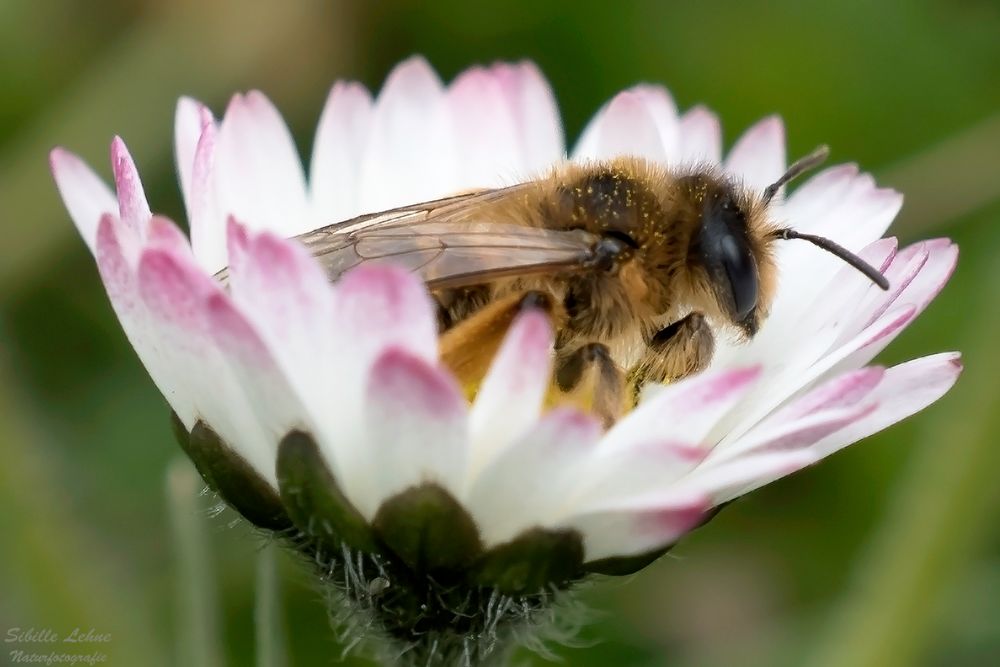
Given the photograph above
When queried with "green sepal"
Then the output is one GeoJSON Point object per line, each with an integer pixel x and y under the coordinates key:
{"type": "Point", "coordinates": [620, 566]}
{"type": "Point", "coordinates": [313, 499]}
{"type": "Point", "coordinates": [532, 561]}
{"type": "Point", "coordinates": [428, 530]}
{"type": "Point", "coordinates": [229, 475]}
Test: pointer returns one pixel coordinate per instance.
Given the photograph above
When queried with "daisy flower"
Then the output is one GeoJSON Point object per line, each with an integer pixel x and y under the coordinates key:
{"type": "Point", "coordinates": [322, 412]}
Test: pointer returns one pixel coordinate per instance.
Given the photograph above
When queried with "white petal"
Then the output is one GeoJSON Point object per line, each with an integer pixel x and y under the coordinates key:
{"type": "Point", "coordinates": [905, 266]}
{"type": "Point", "coordinates": [341, 139]}
{"type": "Point", "coordinates": [794, 316]}
{"type": "Point", "coordinates": [663, 111]}
{"type": "Point", "coordinates": [132, 206]}
{"type": "Point", "coordinates": [486, 134]}
{"type": "Point", "coordinates": [799, 333]}
{"type": "Point", "coordinates": [844, 390]}
{"type": "Point", "coordinates": [415, 426]}
{"type": "Point", "coordinates": [941, 261]}
{"type": "Point", "coordinates": [190, 119]}
{"type": "Point", "coordinates": [510, 399]}
{"type": "Point", "coordinates": [208, 236]}
{"type": "Point", "coordinates": [794, 434]}
{"type": "Point", "coordinates": [700, 137]}
{"type": "Point", "coordinates": [411, 156]}
{"type": "Point", "coordinates": [813, 206]}
{"type": "Point", "coordinates": [786, 380]}
{"type": "Point", "coordinates": [758, 157]}
{"type": "Point", "coordinates": [611, 478]}
{"type": "Point", "coordinates": [84, 194]}
{"type": "Point", "coordinates": [526, 485]}
{"type": "Point", "coordinates": [176, 294]}
{"type": "Point", "coordinates": [631, 531]}
{"type": "Point", "coordinates": [271, 397]}
{"type": "Point", "coordinates": [741, 475]}
{"type": "Point", "coordinates": [718, 482]}
{"type": "Point", "coordinates": [116, 250]}
{"type": "Point", "coordinates": [916, 275]}
{"type": "Point", "coordinates": [375, 308]}
{"type": "Point", "coordinates": [257, 173]}
{"type": "Point", "coordinates": [905, 390]}
{"type": "Point", "coordinates": [287, 297]}
{"type": "Point", "coordinates": [840, 205]}
{"type": "Point", "coordinates": [535, 114]}
{"type": "Point", "coordinates": [942, 256]}
{"type": "Point", "coordinates": [685, 410]}
{"type": "Point", "coordinates": [624, 127]}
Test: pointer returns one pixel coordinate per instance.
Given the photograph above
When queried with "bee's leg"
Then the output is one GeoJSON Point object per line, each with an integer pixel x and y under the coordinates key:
{"type": "Point", "coordinates": [444, 319]}
{"type": "Point", "coordinates": [683, 348]}
{"type": "Point", "coordinates": [455, 305]}
{"type": "Point", "coordinates": [589, 378]}
{"type": "Point", "coordinates": [468, 347]}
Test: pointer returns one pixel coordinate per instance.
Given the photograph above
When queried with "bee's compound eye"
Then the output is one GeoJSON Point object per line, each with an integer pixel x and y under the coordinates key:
{"type": "Point", "coordinates": [723, 245]}
{"type": "Point", "coordinates": [741, 271]}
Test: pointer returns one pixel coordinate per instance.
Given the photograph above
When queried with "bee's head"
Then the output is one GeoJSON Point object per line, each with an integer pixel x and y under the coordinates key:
{"type": "Point", "coordinates": [734, 247]}
{"type": "Point", "coordinates": [737, 262]}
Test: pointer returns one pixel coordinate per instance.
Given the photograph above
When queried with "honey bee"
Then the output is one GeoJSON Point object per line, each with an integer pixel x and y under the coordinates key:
{"type": "Point", "coordinates": [634, 263]}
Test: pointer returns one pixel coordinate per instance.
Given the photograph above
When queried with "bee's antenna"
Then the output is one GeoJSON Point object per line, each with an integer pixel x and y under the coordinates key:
{"type": "Point", "coordinates": [814, 159]}
{"type": "Point", "coordinates": [843, 253]}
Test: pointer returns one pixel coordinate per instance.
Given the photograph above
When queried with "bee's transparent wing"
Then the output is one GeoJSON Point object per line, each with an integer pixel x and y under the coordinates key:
{"type": "Point", "coordinates": [451, 242]}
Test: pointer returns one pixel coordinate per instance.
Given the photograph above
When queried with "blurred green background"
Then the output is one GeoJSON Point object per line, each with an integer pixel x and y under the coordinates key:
{"type": "Point", "coordinates": [887, 554]}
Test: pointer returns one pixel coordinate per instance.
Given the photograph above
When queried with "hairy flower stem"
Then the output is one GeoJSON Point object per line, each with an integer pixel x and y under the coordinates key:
{"type": "Point", "coordinates": [268, 629]}
{"type": "Point", "coordinates": [197, 607]}
{"type": "Point", "coordinates": [379, 607]}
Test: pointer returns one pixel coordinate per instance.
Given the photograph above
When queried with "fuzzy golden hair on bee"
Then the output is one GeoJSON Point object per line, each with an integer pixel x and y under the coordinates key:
{"type": "Point", "coordinates": [637, 265]}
